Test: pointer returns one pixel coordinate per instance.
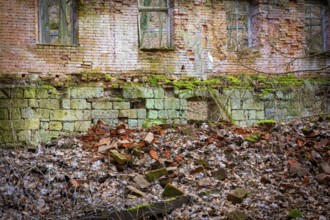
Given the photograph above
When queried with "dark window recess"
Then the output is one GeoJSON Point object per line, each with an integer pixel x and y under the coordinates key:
{"type": "Point", "coordinates": [154, 24]}
{"type": "Point", "coordinates": [314, 28]}
{"type": "Point", "coordinates": [58, 20]}
{"type": "Point", "coordinates": [238, 24]}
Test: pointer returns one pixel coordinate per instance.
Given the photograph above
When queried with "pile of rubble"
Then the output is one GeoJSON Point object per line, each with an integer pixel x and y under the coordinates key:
{"type": "Point", "coordinates": [271, 171]}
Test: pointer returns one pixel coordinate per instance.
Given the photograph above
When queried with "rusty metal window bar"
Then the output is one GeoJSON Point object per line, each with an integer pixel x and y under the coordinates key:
{"type": "Point", "coordinates": [315, 28]}
{"type": "Point", "coordinates": [154, 24]}
{"type": "Point", "coordinates": [58, 22]}
{"type": "Point", "coordinates": [238, 25]}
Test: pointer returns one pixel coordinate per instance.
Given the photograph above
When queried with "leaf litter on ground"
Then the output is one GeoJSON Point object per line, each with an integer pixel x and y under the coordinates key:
{"type": "Point", "coordinates": [224, 171]}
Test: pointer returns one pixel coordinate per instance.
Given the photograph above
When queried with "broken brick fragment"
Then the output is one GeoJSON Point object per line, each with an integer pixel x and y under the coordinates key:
{"type": "Point", "coordinates": [149, 138]}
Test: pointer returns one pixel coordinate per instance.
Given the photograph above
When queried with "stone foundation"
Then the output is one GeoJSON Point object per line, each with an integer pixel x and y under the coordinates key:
{"type": "Point", "coordinates": [36, 114]}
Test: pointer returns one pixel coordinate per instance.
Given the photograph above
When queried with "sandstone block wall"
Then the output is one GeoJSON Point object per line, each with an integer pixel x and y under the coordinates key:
{"type": "Point", "coordinates": [36, 114]}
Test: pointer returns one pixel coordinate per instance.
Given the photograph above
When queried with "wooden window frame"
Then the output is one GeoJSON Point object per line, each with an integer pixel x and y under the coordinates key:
{"type": "Point", "coordinates": [43, 20]}
{"type": "Point", "coordinates": [236, 26]}
{"type": "Point", "coordinates": [321, 24]}
{"type": "Point", "coordinates": [167, 11]}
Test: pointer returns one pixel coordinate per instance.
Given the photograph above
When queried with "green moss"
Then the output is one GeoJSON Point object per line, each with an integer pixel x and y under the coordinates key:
{"type": "Point", "coordinates": [156, 79]}
{"type": "Point", "coordinates": [294, 213]}
{"type": "Point", "coordinates": [147, 123]}
{"type": "Point", "coordinates": [136, 208]}
{"type": "Point", "coordinates": [115, 85]}
{"type": "Point", "coordinates": [156, 174]}
{"type": "Point", "coordinates": [186, 85]}
{"type": "Point", "coordinates": [266, 122]}
{"type": "Point", "coordinates": [253, 138]}
{"type": "Point", "coordinates": [234, 81]}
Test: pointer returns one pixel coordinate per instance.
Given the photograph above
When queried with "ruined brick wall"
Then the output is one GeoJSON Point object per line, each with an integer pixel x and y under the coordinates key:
{"type": "Point", "coordinates": [108, 40]}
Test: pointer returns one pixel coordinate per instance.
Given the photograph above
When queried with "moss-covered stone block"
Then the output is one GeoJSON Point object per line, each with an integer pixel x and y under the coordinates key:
{"type": "Point", "coordinates": [30, 92]}
{"type": "Point", "coordinates": [171, 103]}
{"type": "Point", "coordinates": [27, 113]}
{"type": "Point", "coordinates": [239, 115]}
{"type": "Point", "coordinates": [68, 126]}
{"type": "Point", "coordinates": [121, 105]}
{"type": "Point", "coordinates": [14, 103]}
{"type": "Point", "coordinates": [55, 126]}
{"type": "Point", "coordinates": [124, 113]}
{"type": "Point", "coordinates": [4, 114]}
{"type": "Point", "coordinates": [183, 104]}
{"type": "Point", "coordinates": [132, 123]}
{"type": "Point", "coordinates": [33, 103]}
{"type": "Point", "coordinates": [163, 114]}
{"type": "Point", "coordinates": [7, 136]}
{"type": "Point", "coordinates": [42, 93]}
{"type": "Point", "coordinates": [82, 125]}
{"type": "Point", "coordinates": [17, 93]}
{"type": "Point", "coordinates": [172, 191]}
{"type": "Point", "coordinates": [141, 113]}
{"type": "Point", "coordinates": [150, 103]}
{"type": "Point", "coordinates": [147, 123]}
{"type": "Point", "coordinates": [252, 104]}
{"type": "Point", "coordinates": [44, 136]}
{"type": "Point", "coordinates": [104, 114]}
{"type": "Point", "coordinates": [159, 104]}
{"type": "Point", "coordinates": [21, 124]}
{"type": "Point", "coordinates": [43, 113]}
{"type": "Point", "coordinates": [159, 93]}
{"type": "Point", "coordinates": [80, 104]}
{"type": "Point", "coordinates": [186, 94]}
{"type": "Point", "coordinates": [260, 115]}
{"type": "Point", "coordinates": [66, 103]}
{"type": "Point", "coordinates": [24, 136]}
{"type": "Point", "coordinates": [5, 93]}
{"type": "Point", "coordinates": [133, 113]}
{"type": "Point", "coordinates": [49, 103]}
{"type": "Point", "coordinates": [156, 174]}
{"type": "Point", "coordinates": [236, 103]}
{"type": "Point", "coordinates": [44, 125]}
{"type": "Point", "coordinates": [69, 115]}
{"type": "Point", "coordinates": [153, 114]}
{"type": "Point", "coordinates": [102, 105]}
{"type": "Point", "coordinates": [134, 92]}
{"type": "Point", "coordinates": [14, 113]}
{"type": "Point", "coordinates": [86, 92]}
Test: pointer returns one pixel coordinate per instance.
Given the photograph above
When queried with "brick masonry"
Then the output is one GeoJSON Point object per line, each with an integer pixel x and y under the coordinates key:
{"type": "Point", "coordinates": [108, 40]}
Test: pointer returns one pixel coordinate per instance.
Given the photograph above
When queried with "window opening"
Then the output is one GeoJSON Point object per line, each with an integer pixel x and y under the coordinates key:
{"type": "Point", "coordinates": [314, 28]}
{"type": "Point", "coordinates": [154, 24]}
{"type": "Point", "coordinates": [238, 24]}
{"type": "Point", "coordinates": [58, 22]}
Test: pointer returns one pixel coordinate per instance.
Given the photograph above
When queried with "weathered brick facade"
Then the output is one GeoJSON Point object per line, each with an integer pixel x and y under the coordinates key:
{"type": "Point", "coordinates": [108, 40]}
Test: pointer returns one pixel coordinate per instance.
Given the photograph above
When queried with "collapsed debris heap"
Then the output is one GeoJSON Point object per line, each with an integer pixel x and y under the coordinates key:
{"type": "Point", "coordinates": [182, 172]}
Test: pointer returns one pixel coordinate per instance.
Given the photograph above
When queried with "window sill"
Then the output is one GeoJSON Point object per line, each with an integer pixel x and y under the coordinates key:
{"type": "Point", "coordinates": [57, 45]}
{"type": "Point", "coordinates": [161, 49]}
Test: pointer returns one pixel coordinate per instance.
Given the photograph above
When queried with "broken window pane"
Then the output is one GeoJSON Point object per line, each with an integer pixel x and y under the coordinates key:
{"type": "Point", "coordinates": [153, 28]}
{"type": "Point", "coordinates": [154, 24]}
{"type": "Point", "coordinates": [237, 20]}
{"type": "Point", "coordinates": [57, 21]}
{"type": "Point", "coordinates": [313, 28]}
